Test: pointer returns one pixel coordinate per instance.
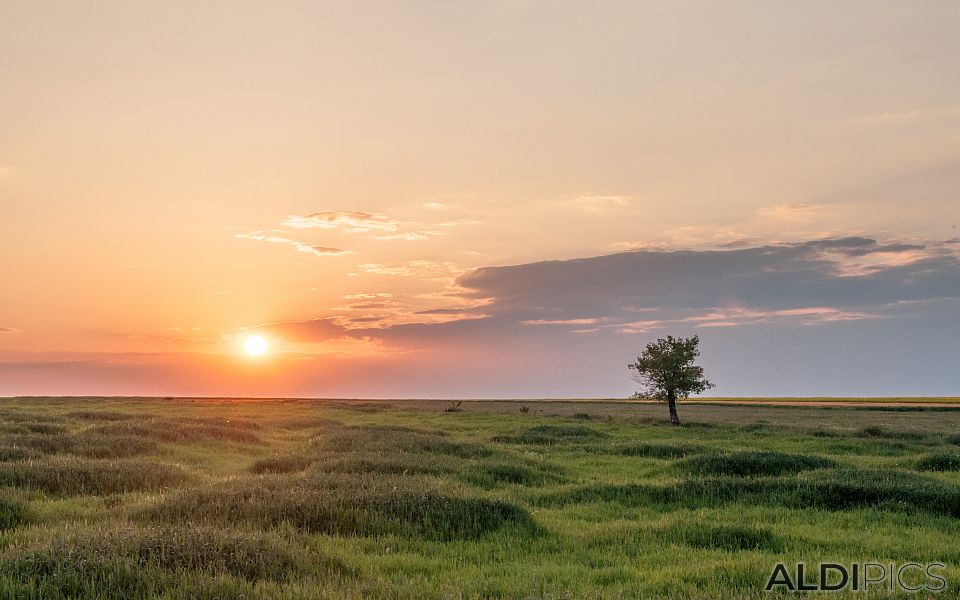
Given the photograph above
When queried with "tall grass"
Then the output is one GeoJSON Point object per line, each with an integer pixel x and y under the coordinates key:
{"type": "Point", "coordinates": [729, 537]}
{"type": "Point", "coordinates": [839, 489]}
{"type": "Point", "coordinates": [183, 430]}
{"type": "Point", "coordinates": [387, 439]}
{"type": "Point", "coordinates": [663, 451]}
{"type": "Point", "coordinates": [281, 464]}
{"type": "Point", "coordinates": [12, 514]}
{"type": "Point", "coordinates": [68, 476]}
{"type": "Point", "coordinates": [344, 504]}
{"type": "Point", "coordinates": [125, 561]}
{"type": "Point", "coordinates": [940, 461]}
{"type": "Point", "coordinates": [552, 435]}
{"type": "Point", "coordinates": [495, 475]}
{"type": "Point", "coordinates": [753, 464]}
{"type": "Point", "coordinates": [300, 499]}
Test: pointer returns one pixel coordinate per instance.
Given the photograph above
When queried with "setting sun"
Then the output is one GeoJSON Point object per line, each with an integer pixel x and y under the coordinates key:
{"type": "Point", "coordinates": [255, 345]}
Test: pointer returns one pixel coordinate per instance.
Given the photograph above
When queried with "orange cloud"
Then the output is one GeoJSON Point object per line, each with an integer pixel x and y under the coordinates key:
{"type": "Point", "coordinates": [350, 221]}
{"type": "Point", "coordinates": [300, 246]}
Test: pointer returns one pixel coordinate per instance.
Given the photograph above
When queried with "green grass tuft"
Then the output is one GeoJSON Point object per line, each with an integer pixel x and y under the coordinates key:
{"type": "Point", "coordinates": [753, 464]}
{"type": "Point", "coordinates": [664, 451]}
{"type": "Point", "coordinates": [67, 476]}
{"type": "Point", "coordinates": [839, 489]}
{"type": "Point", "coordinates": [941, 461]}
{"type": "Point", "coordinates": [182, 430]}
{"type": "Point", "coordinates": [9, 453]}
{"type": "Point", "coordinates": [401, 463]}
{"type": "Point", "coordinates": [132, 562]}
{"type": "Point", "coordinates": [12, 514]}
{"type": "Point", "coordinates": [552, 435]}
{"type": "Point", "coordinates": [492, 476]}
{"type": "Point", "coordinates": [44, 428]}
{"type": "Point", "coordinates": [876, 431]}
{"type": "Point", "coordinates": [346, 504]}
{"type": "Point", "coordinates": [281, 464]}
{"type": "Point", "coordinates": [390, 439]}
{"type": "Point", "coordinates": [733, 538]}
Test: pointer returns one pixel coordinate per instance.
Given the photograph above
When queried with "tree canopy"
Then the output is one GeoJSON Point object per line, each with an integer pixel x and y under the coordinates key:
{"type": "Point", "coordinates": [666, 371]}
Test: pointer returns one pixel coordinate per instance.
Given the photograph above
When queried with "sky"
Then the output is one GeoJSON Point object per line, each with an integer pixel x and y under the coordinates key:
{"type": "Point", "coordinates": [498, 199]}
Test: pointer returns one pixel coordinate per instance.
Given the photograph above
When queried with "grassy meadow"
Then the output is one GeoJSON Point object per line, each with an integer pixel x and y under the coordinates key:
{"type": "Point", "coordinates": [201, 499]}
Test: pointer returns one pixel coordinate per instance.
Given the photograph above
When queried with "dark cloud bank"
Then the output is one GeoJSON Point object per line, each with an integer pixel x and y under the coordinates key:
{"type": "Point", "coordinates": [850, 316]}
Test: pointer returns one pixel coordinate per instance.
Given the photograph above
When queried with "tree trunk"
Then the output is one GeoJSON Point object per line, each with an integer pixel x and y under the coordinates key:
{"type": "Point", "coordinates": [672, 403]}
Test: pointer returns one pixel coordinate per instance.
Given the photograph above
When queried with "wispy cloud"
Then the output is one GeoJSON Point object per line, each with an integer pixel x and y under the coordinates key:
{"type": "Point", "coordinates": [888, 117]}
{"type": "Point", "coordinates": [349, 221]}
{"type": "Point", "coordinates": [7, 330]}
{"type": "Point", "coordinates": [590, 321]}
{"type": "Point", "coordinates": [309, 330]}
{"type": "Point", "coordinates": [798, 212]}
{"type": "Point", "coordinates": [906, 116]}
{"type": "Point", "coordinates": [409, 236]}
{"type": "Point", "coordinates": [732, 317]}
{"type": "Point", "coordinates": [596, 203]}
{"type": "Point", "coordinates": [424, 269]}
{"type": "Point", "coordinates": [300, 246]}
{"type": "Point", "coordinates": [367, 295]}
{"type": "Point", "coordinates": [384, 227]}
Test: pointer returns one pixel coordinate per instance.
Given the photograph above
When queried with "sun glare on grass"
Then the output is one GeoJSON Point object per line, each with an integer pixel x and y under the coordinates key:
{"type": "Point", "coordinates": [255, 345]}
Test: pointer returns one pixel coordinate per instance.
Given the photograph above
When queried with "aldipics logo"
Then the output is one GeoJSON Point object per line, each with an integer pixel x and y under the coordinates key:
{"type": "Point", "coordinates": [859, 577]}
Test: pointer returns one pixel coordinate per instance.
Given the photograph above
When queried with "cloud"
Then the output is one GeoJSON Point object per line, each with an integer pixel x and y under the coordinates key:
{"type": "Point", "coordinates": [560, 321]}
{"type": "Point", "coordinates": [386, 227]}
{"type": "Point", "coordinates": [409, 236]}
{"type": "Point", "coordinates": [813, 281]}
{"type": "Point", "coordinates": [425, 269]}
{"type": "Point", "coordinates": [887, 118]}
{"type": "Point", "coordinates": [367, 295]}
{"type": "Point", "coordinates": [448, 311]}
{"type": "Point", "coordinates": [798, 212]}
{"type": "Point", "coordinates": [731, 317]}
{"type": "Point", "coordinates": [300, 246]}
{"type": "Point", "coordinates": [310, 330]}
{"type": "Point", "coordinates": [349, 221]}
{"type": "Point", "coordinates": [596, 203]}
{"type": "Point", "coordinates": [792, 284]}
{"type": "Point", "coordinates": [905, 117]}
{"type": "Point", "coordinates": [326, 251]}
{"type": "Point", "coordinates": [7, 330]}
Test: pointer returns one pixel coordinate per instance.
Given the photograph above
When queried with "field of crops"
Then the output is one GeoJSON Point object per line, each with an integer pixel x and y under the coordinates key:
{"type": "Point", "coordinates": [139, 498]}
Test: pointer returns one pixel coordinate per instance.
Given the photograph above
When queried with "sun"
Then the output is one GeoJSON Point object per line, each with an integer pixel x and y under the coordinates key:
{"type": "Point", "coordinates": [255, 345]}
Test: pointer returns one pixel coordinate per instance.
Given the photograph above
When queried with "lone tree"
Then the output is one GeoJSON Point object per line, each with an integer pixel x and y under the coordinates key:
{"type": "Point", "coordinates": [666, 371]}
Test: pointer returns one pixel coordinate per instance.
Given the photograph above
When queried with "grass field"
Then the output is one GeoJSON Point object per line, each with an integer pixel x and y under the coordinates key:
{"type": "Point", "coordinates": [127, 499]}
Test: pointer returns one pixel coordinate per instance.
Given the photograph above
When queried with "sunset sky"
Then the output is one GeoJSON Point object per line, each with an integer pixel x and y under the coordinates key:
{"type": "Point", "coordinates": [478, 199]}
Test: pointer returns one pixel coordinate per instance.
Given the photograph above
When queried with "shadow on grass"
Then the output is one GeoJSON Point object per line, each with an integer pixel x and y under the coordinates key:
{"type": "Point", "coordinates": [354, 504]}
{"type": "Point", "coordinates": [753, 463]}
{"type": "Point", "coordinates": [70, 476]}
{"type": "Point", "coordinates": [839, 489]}
{"type": "Point", "coordinates": [547, 435]}
{"type": "Point", "coordinates": [133, 562]}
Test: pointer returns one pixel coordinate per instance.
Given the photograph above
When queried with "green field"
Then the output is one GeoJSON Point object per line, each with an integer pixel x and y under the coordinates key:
{"type": "Point", "coordinates": [139, 498]}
